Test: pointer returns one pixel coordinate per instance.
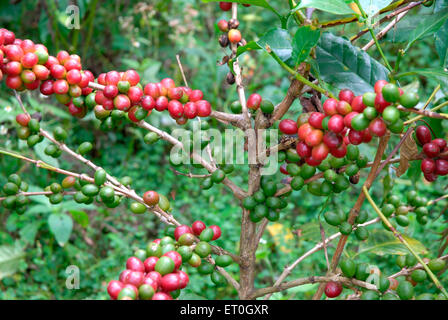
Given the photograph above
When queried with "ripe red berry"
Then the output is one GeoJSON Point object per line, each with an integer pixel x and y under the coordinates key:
{"type": "Point", "coordinates": [58, 71]}
{"type": "Point", "coordinates": [441, 143]}
{"type": "Point", "coordinates": [113, 288]}
{"type": "Point", "coordinates": [14, 82]}
{"type": "Point", "coordinates": [423, 134]}
{"type": "Point", "coordinates": [29, 60]}
{"type": "Point", "coordinates": [332, 140]}
{"type": "Point", "coordinates": [176, 109]}
{"type": "Point", "coordinates": [60, 87]}
{"type": "Point", "coordinates": [356, 137]}
{"type": "Point", "coordinates": [314, 138]}
{"type": "Point", "coordinates": [63, 56]}
{"type": "Point", "coordinates": [431, 149]}
{"type": "Point", "coordinates": [161, 103]}
{"type": "Point", "coordinates": [132, 77]}
{"type": "Point", "coordinates": [148, 103]}
{"type": "Point", "coordinates": [348, 119]}
{"type": "Point", "coordinates": [320, 152]}
{"type": "Point", "coordinates": [216, 232]}
{"type": "Point", "coordinates": [151, 198]}
{"type": "Point", "coordinates": [46, 88]}
{"type": "Point", "coordinates": [13, 68]}
{"type": "Point", "coordinates": [430, 177]}
{"type": "Point", "coordinates": [343, 108]}
{"type": "Point", "coordinates": [195, 95]}
{"type": "Point", "coordinates": [377, 127]}
{"type": "Point", "coordinates": [254, 101]}
{"type": "Point", "coordinates": [183, 278]}
{"type": "Point", "coordinates": [74, 76]}
{"type": "Point", "coordinates": [428, 166]}
{"type": "Point", "coordinates": [204, 108]}
{"type": "Point", "coordinates": [170, 282]}
{"type": "Point", "coordinates": [135, 94]}
{"type": "Point", "coordinates": [357, 104]}
{"type": "Point", "coordinates": [32, 85]}
{"type": "Point", "coordinates": [312, 161]}
{"type": "Point", "coordinates": [330, 106]}
{"type": "Point", "coordinates": [135, 264]}
{"type": "Point", "coordinates": [112, 78]}
{"type": "Point", "coordinates": [72, 64]}
{"type": "Point", "coordinates": [197, 227]}
{"type": "Point", "coordinates": [135, 278]}
{"type": "Point", "coordinates": [167, 83]}
{"type": "Point", "coordinates": [23, 119]}
{"type": "Point", "coordinates": [225, 6]}
{"type": "Point", "coordinates": [288, 126]}
{"type": "Point", "coordinates": [304, 130]}
{"type": "Point", "coordinates": [161, 296]}
{"type": "Point", "coordinates": [367, 136]}
{"type": "Point", "coordinates": [303, 150]}
{"type": "Point", "coordinates": [110, 91]}
{"type": "Point", "coordinates": [122, 102]}
{"type": "Point", "coordinates": [340, 151]}
{"type": "Point", "coordinates": [441, 167]}
{"type": "Point", "coordinates": [14, 52]}
{"type": "Point", "coordinates": [315, 119]}
{"type": "Point", "coordinates": [180, 230]}
{"type": "Point", "coordinates": [333, 289]}
{"type": "Point", "coordinates": [175, 93]}
{"type": "Point", "coordinates": [190, 110]}
{"type": "Point", "coordinates": [336, 123]}
{"type": "Point", "coordinates": [378, 88]}
{"type": "Point", "coordinates": [41, 72]}
{"type": "Point", "coordinates": [234, 36]}
{"type": "Point", "coordinates": [346, 95]}
{"type": "Point", "coordinates": [150, 263]}
{"type": "Point", "coordinates": [151, 89]}
{"type": "Point", "coordinates": [380, 103]}
{"type": "Point", "coordinates": [223, 26]}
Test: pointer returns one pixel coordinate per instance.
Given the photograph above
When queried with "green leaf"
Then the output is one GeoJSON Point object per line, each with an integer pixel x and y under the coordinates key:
{"type": "Point", "coordinates": [371, 7]}
{"type": "Point", "coordinates": [258, 3]}
{"type": "Point", "coordinates": [10, 258]}
{"type": "Point", "coordinates": [80, 217]}
{"type": "Point", "coordinates": [331, 6]}
{"type": "Point", "coordinates": [251, 45]}
{"type": "Point", "coordinates": [345, 66]}
{"type": "Point", "coordinates": [442, 44]}
{"type": "Point", "coordinates": [61, 226]}
{"type": "Point", "coordinates": [382, 242]}
{"type": "Point", "coordinates": [304, 40]}
{"type": "Point", "coordinates": [29, 231]}
{"type": "Point", "coordinates": [428, 26]}
{"type": "Point", "coordinates": [438, 74]}
{"type": "Point", "coordinates": [279, 41]}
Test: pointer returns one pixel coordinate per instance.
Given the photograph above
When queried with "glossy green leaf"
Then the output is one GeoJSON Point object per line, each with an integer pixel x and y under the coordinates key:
{"type": "Point", "coordinates": [382, 242]}
{"type": "Point", "coordinates": [438, 74]}
{"type": "Point", "coordinates": [441, 43]}
{"type": "Point", "coordinates": [251, 45]}
{"type": "Point", "coordinates": [345, 66]}
{"type": "Point", "coordinates": [331, 6]}
{"type": "Point", "coordinates": [371, 7]}
{"type": "Point", "coordinates": [279, 41]}
{"type": "Point", "coordinates": [61, 225]}
{"type": "Point", "coordinates": [10, 258]}
{"type": "Point", "coordinates": [428, 26]}
{"type": "Point", "coordinates": [304, 40]}
{"type": "Point", "coordinates": [80, 217]}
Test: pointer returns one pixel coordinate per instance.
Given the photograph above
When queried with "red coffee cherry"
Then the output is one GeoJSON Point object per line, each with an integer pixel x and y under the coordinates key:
{"type": "Point", "coordinates": [57, 71]}
{"type": "Point", "coordinates": [135, 278]}
{"type": "Point", "coordinates": [180, 230]}
{"type": "Point", "coordinates": [234, 36]}
{"type": "Point", "coordinates": [377, 127]}
{"type": "Point", "coordinates": [430, 177]}
{"type": "Point", "coordinates": [314, 138]}
{"type": "Point", "coordinates": [151, 198]}
{"type": "Point", "coordinates": [330, 106]}
{"type": "Point", "coordinates": [135, 94]}
{"type": "Point", "coordinates": [167, 83]}
{"type": "Point", "coordinates": [33, 85]}
{"type": "Point", "coordinates": [161, 103]}
{"type": "Point", "coordinates": [441, 167]}
{"type": "Point", "coordinates": [340, 151]}
{"type": "Point", "coordinates": [348, 119]}
{"type": "Point", "coordinates": [378, 88]}
{"type": "Point", "coordinates": [357, 104]}
{"type": "Point", "coordinates": [14, 52]}
{"type": "Point", "coordinates": [148, 103]}
{"type": "Point", "coordinates": [113, 288]}
{"type": "Point", "coordinates": [41, 72]}
{"type": "Point", "coordinates": [161, 296]}
{"type": "Point", "coordinates": [151, 89]}
{"type": "Point", "coordinates": [29, 60]}
{"type": "Point", "coordinates": [13, 68]}
{"type": "Point", "coordinates": [288, 126]}
{"type": "Point", "coordinates": [46, 88]}
{"type": "Point", "coordinates": [176, 257]}
{"type": "Point", "coordinates": [225, 6]}
{"type": "Point", "coordinates": [313, 162]}
{"type": "Point", "coordinates": [304, 130]}
{"type": "Point", "coordinates": [441, 143]}
{"type": "Point", "coordinates": [423, 134]}
{"type": "Point", "coordinates": [122, 102]}
{"type": "Point", "coordinates": [332, 140]}
{"type": "Point", "coordinates": [198, 227]}
{"type": "Point", "coordinates": [320, 152]}
{"type": "Point", "coordinates": [74, 76]}
{"type": "Point", "coordinates": [428, 166]}
{"type": "Point", "coordinates": [14, 82]}
{"type": "Point", "coordinates": [23, 119]}
{"type": "Point", "coordinates": [170, 282]}
{"type": "Point", "coordinates": [216, 232]}
{"type": "Point", "coordinates": [356, 137]}
{"type": "Point", "coordinates": [223, 26]}
{"type": "Point", "coordinates": [72, 64]}
{"type": "Point", "coordinates": [195, 95]}
{"type": "Point", "coordinates": [346, 95]}
{"type": "Point", "coordinates": [303, 150]}
{"type": "Point", "coordinates": [190, 110]}
{"type": "Point", "coordinates": [380, 103]}
{"type": "Point", "coordinates": [333, 289]}
{"type": "Point", "coordinates": [336, 123]}
{"type": "Point", "coordinates": [132, 77]}
{"type": "Point", "coordinates": [150, 263]}
{"type": "Point", "coordinates": [204, 108]}
{"type": "Point", "coordinates": [60, 87]}
{"type": "Point", "coordinates": [110, 91]}
{"type": "Point", "coordinates": [175, 93]}
{"type": "Point", "coordinates": [431, 149]}
{"type": "Point", "coordinates": [254, 101]}
{"type": "Point", "coordinates": [135, 264]}
{"type": "Point", "coordinates": [183, 278]}
{"type": "Point", "coordinates": [315, 119]}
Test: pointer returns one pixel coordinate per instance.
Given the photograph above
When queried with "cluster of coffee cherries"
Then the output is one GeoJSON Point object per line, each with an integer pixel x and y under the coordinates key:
{"type": "Point", "coordinates": [29, 66]}
{"type": "Point", "coordinates": [264, 203]}
{"type": "Point", "coordinates": [254, 102]}
{"type": "Point", "coordinates": [231, 35]}
{"type": "Point", "coordinates": [339, 219]}
{"type": "Point", "coordinates": [400, 288]}
{"type": "Point", "coordinates": [13, 199]}
{"type": "Point", "coordinates": [335, 174]}
{"type": "Point", "coordinates": [156, 273]}
{"type": "Point", "coordinates": [435, 152]}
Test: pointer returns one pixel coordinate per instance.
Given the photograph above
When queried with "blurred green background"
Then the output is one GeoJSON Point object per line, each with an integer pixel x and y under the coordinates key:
{"type": "Point", "coordinates": [146, 36]}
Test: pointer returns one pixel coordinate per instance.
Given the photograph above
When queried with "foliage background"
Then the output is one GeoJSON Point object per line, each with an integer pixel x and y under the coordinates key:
{"type": "Point", "coordinates": [146, 36]}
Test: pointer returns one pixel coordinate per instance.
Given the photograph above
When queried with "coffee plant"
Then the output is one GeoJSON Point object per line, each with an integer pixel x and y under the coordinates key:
{"type": "Point", "coordinates": [340, 100]}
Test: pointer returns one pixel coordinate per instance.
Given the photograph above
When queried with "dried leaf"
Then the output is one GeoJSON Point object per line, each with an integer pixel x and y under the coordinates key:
{"type": "Point", "coordinates": [408, 151]}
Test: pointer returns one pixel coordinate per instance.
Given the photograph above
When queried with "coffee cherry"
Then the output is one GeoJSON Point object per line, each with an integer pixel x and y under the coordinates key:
{"type": "Point", "coordinates": [380, 103]}
{"type": "Point", "coordinates": [225, 6]}
{"type": "Point", "coordinates": [233, 24]}
{"type": "Point", "coordinates": [379, 86]}
{"type": "Point", "coordinates": [110, 91]}
{"type": "Point", "coordinates": [428, 166]}
{"type": "Point", "coordinates": [330, 106]}
{"type": "Point", "coordinates": [441, 167]}
{"type": "Point", "coordinates": [198, 227]}
{"type": "Point", "coordinates": [230, 78]}
{"type": "Point", "coordinates": [314, 138]}
{"type": "Point", "coordinates": [113, 289]}
{"type": "Point", "coordinates": [391, 114]}
{"type": "Point", "coordinates": [203, 108]}
{"type": "Point", "coordinates": [336, 123]}
{"type": "Point", "coordinates": [315, 119]}
{"type": "Point", "coordinates": [431, 149]}
{"type": "Point", "coordinates": [234, 36]}
{"type": "Point", "coordinates": [333, 289]}
{"type": "Point", "coordinates": [320, 152]}
{"type": "Point", "coordinates": [409, 99]}
{"type": "Point", "coordinates": [423, 134]}
{"type": "Point", "coordinates": [360, 122]}
{"type": "Point", "coordinates": [441, 143]}
{"type": "Point", "coordinates": [254, 101]}
{"type": "Point", "coordinates": [390, 92]}
{"type": "Point", "coordinates": [405, 290]}
{"type": "Point", "coordinates": [346, 95]}
{"type": "Point", "coordinates": [377, 127]}
{"type": "Point", "coordinates": [223, 26]}
{"type": "Point", "coordinates": [288, 126]}
{"type": "Point", "coordinates": [151, 198]}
